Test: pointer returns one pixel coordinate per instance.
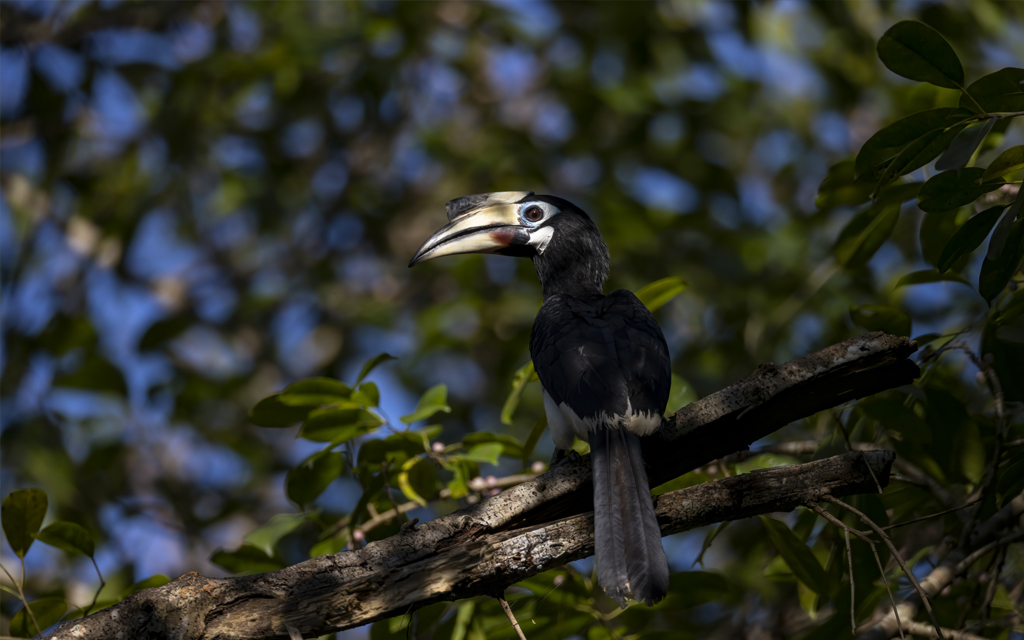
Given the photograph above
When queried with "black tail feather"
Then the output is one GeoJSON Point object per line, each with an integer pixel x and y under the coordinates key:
{"type": "Point", "coordinates": [627, 538]}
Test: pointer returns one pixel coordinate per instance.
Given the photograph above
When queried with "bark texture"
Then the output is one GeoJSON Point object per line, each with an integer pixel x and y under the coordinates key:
{"type": "Point", "coordinates": [539, 524]}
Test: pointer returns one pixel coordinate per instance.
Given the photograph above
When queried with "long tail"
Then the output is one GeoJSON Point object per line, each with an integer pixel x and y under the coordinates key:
{"type": "Point", "coordinates": [627, 538]}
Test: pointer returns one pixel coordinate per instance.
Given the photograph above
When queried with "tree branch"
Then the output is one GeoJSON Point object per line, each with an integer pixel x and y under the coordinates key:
{"type": "Point", "coordinates": [539, 524]}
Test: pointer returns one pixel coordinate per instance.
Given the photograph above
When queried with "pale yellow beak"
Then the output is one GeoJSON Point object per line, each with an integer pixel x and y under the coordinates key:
{"type": "Point", "coordinates": [484, 223]}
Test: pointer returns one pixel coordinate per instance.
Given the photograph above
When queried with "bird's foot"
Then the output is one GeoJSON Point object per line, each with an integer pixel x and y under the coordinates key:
{"type": "Point", "coordinates": [561, 456]}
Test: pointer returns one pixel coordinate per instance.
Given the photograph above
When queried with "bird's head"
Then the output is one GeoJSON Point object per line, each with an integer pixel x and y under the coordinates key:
{"type": "Point", "coordinates": [565, 245]}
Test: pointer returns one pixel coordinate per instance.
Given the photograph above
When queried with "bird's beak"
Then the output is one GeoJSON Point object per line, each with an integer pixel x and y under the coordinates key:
{"type": "Point", "coordinates": [485, 223]}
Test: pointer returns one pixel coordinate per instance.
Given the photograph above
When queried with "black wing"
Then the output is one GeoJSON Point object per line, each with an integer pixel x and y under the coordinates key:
{"type": "Point", "coordinates": [607, 355]}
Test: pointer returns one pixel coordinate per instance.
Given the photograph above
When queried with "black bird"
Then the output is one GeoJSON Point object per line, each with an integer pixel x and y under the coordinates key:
{"type": "Point", "coordinates": [602, 360]}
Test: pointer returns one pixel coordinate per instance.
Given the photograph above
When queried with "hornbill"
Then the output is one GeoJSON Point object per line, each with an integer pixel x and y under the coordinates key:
{"type": "Point", "coordinates": [602, 360]}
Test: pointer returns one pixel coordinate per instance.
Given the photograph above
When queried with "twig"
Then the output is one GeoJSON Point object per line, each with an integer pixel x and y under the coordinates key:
{"type": "Point", "coordinates": [928, 517]}
{"type": "Point", "coordinates": [896, 554]}
{"type": "Point", "coordinates": [990, 593]}
{"type": "Point", "coordinates": [853, 583]}
{"type": "Point", "coordinates": [922, 629]}
{"type": "Point", "coordinates": [878, 561]}
{"type": "Point", "coordinates": [511, 617]}
{"type": "Point", "coordinates": [98, 589]}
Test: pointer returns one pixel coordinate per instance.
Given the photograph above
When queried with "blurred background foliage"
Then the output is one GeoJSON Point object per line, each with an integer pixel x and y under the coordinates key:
{"type": "Point", "coordinates": [205, 202]}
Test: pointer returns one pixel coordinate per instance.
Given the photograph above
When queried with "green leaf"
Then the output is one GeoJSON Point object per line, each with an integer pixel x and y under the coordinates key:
{"type": "Point", "coordinates": [969, 237]}
{"type": "Point", "coordinates": [418, 480]}
{"type": "Point", "coordinates": [309, 479]}
{"type": "Point", "coordinates": [928, 276]}
{"type": "Point", "coordinates": [916, 51]}
{"type": "Point", "coordinates": [367, 395]}
{"type": "Point", "coordinates": [893, 414]}
{"type": "Point", "coordinates": [248, 558]}
{"type": "Point", "coordinates": [535, 433]}
{"type": "Point", "coordinates": [432, 401]}
{"type": "Point", "coordinates": [395, 449]}
{"type": "Point", "coordinates": [864, 234]}
{"type": "Point", "coordinates": [797, 555]}
{"type": "Point", "coordinates": [339, 425]}
{"type": "Point", "coordinates": [1006, 250]}
{"type": "Point", "coordinates": [951, 189]}
{"type": "Point", "coordinates": [21, 514]}
{"type": "Point", "coordinates": [329, 546]}
{"type": "Point", "coordinates": [708, 539]}
{"type": "Point", "coordinates": [921, 151]}
{"type": "Point", "coordinates": [922, 128]}
{"type": "Point", "coordinates": [1008, 161]}
{"type": "Point", "coordinates": [509, 444]}
{"type": "Point", "coordinates": [46, 611]}
{"type": "Point", "coordinates": [1002, 90]}
{"type": "Point", "coordinates": [158, 580]}
{"type": "Point", "coordinates": [691, 588]}
{"type": "Point", "coordinates": [524, 375]}
{"type": "Point", "coordinates": [314, 392]}
{"type": "Point", "coordinates": [963, 146]}
{"type": "Point", "coordinates": [271, 412]}
{"type": "Point", "coordinates": [680, 394]}
{"type": "Point", "coordinates": [266, 536]}
{"type": "Point", "coordinates": [371, 364]}
{"type": "Point", "coordinates": [68, 536]}
{"type": "Point", "coordinates": [658, 293]}
{"type": "Point", "coordinates": [488, 452]}
{"type": "Point", "coordinates": [875, 317]}
{"type": "Point", "coordinates": [840, 188]}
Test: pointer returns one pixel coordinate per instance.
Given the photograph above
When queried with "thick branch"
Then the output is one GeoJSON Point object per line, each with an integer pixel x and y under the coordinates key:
{"type": "Point", "coordinates": [322, 596]}
{"type": "Point", "coordinates": [450, 552]}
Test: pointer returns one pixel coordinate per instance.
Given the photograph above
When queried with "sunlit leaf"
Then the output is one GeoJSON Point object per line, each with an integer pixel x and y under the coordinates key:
{"type": "Point", "coordinates": [797, 555]}
{"type": "Point", "coordinates": [315, 392]}
{"type": "Point", "coordinates": [158, 580]}
{"type": "Point", "coordinates": [314, 474]}
{"type": "Point", "coordinates": [22, 514]}
{"type": "Point", "coordinates": [524, 375]}
{"type": "Point", "coordinates": [367, 395]}
{"type": "Point", "coordinates": [330, 546]}
{"type": "Point", "coordinates": [69, 536]}
{"type": "Point", "coordinates": [339, 425]}
{"type": "Point", "coordinates": [248, 558]}
{"type": "Point", "coordinates": [372, 364]}
{"type": "Point", "coordinates": [271, 412]}
{"type": "Point", "coordinates": [434, 400]}
{"type": "Point", "coordinates": [510, 445]}
{"type": "Point", "coordinates": [418, 480]}
{"type": "Point", "coordinates": [46, 612]}
{"type": "Point", "coordinates": [874, 317]}
{"type": "Point", "coordinates": [969, 237]}
{"type": "Point", "coordinates": [487, 452]}
{"type": "Point", "coordinates": [265, 537]}
{"type": "Point", "coordinates": [658, 293]}
{"type": "Point", "coordinates": [1008, 161]}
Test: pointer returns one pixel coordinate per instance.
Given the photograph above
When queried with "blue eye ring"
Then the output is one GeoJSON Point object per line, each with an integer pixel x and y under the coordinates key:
{"type": "Point", "coordinates": [533, 213]}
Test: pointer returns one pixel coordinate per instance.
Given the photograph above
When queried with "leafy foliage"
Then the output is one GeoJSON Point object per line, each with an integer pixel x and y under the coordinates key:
{"type": "Point", "coordinates": [207, 211]}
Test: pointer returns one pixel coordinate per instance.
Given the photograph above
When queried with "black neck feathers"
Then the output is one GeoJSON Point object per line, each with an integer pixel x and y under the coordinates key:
{"type": "Point", "coordinates": [575, 262]}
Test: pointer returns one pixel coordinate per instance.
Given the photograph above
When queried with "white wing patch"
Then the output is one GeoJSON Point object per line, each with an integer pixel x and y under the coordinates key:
{"type": "Point", "coordinates": [640, 423]}
{"type": "Point", "coordinates": [561, 431]}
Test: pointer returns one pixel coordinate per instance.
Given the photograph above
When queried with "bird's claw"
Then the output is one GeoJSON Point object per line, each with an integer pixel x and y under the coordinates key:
{"type": "Point", "coordinates": [561, 456]}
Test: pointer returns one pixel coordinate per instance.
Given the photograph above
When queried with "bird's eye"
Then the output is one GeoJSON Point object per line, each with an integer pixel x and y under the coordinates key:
{"type": "Point", "coordinates": [533, 214]}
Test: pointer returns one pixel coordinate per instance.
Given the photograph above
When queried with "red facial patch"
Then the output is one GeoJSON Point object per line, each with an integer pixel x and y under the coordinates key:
{"type": "Point", "coordinates": [503, 235]}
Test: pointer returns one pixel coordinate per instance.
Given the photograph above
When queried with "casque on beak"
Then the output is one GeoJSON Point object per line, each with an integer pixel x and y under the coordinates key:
{"type": "Point", "coordinates": [483, 223]}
